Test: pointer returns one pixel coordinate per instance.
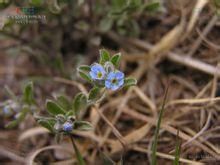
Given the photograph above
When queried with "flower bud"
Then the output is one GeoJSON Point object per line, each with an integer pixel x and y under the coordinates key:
{"type": "Point", "coordinates": [58, 126]}
{"type": "Point", "coordinates": [68, 126]}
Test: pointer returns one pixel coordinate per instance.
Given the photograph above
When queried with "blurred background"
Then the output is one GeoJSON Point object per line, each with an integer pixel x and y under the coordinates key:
{"type": "Point", "coordinates": [163, 43]}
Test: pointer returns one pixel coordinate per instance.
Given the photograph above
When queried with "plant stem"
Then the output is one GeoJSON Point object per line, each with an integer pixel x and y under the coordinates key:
{"type": "Point", "coordinates": [78, 154]}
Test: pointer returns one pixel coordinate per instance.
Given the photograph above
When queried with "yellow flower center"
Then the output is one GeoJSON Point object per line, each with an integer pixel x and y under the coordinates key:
{"type": "Point", "coordinates": [99, 75]}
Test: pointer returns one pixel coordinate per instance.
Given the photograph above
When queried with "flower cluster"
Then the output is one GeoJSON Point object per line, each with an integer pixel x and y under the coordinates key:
{"type": "Point", "coordinates": [113, 80]}
{"type": "Point", "coordinates": [65, 114]}
{"type": "Point", "coordinates": [106, 73]}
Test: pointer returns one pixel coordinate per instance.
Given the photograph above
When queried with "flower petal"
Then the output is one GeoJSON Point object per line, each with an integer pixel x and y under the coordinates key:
{"type": "Point", "coordinates": [93, 75]}
{"type": "Point", "coordinates": [111, 76]}
{"type": "Point", "coordinates": [119, 75]}
{"type": "Point", "coordinates": [108, 84]}
{"type": "Point", "coordinates": [114, 87]}
{"type": "Point", "coordinates": [97, 68]}
{"type": "Point", "coordinates": [121, 82]}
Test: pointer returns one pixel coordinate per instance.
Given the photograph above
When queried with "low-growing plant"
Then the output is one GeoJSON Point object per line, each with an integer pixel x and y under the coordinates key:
{"type": "Point", "coordinates": [121, 14]}
{"type": "Point", "coordinates": [19, 106]}
{"type": "Point", "coordinates": [65, 115]}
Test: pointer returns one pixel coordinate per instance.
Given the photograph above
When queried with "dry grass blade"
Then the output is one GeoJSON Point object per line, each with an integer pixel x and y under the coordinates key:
{"type": "Point", "coordinates": [144, 98]}
{"type": "Point", "coordinates": [209, 43]}
{"type": "Point", "coordinates": [185, 83]}
{"type": "Point", "coordinates": [168, 41]}
{"type": "Point", "coordinates": [32, 156]}
{"type": "Point", "coordinates": [132, 137]}
{"type": "Point", "coordinates": [195, 14]}
{"type": "Point", "coordinates": [201, 131]}
{"type": "Point", "coordinates": [166, 156]}
{"type": "Point", "coordinates": [118, 113]}
{"type": "Point", "coordinates": [203, 140]}
{"type": "Point", "coordinates": [32, 132]}
{"type": "Point", "coordinates": [71, 82]}
{"type": "Point", "coordinates": [193, 101]}
{"type": "Point", "coordinates": [115, 131]}
{"type": "Point", "coordinates": [6, 153]}
{"type": "Point", "coordinates": [180, 59]}
{"type": "Point", "coordinates": [171, 130]}
{"type": "Point", "coordinates": [193, 63]}
{"type": "Point", "coordinates": [207, 29]}
{"type": "Point", "coordinates": [177, 150]}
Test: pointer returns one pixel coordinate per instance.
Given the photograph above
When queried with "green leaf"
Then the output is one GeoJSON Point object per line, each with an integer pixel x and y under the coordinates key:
{"type": "Point", "coordinates": [117, 4]}
{"type": "Point", "coordinates": [53, 108]}
{"type": "Point", "coordinates": [135, 28]}
{"type": "Point", "coordinates": [177, 150]}
{"type": "Point", "coordinates": [12, 124]}
{"type": "Point", "coordinates": [84, 76]}
{"type": "Point", "coordinates": [70, 113]}
{"type": "Point", "coordinates": [53, 6]}
{"type": "Point", "coordinates": [84, 68]}
{"type": "Point", "coordinates": [106, 24]}
{"type": "Point", "coordinates": [46, 124]}
{"type": "Point", "coordinates": [156, 134]}
{"type": "Point", "coordinates": [36, 2]}
{"type": "Point", "coordinates": [116, 59]}
{"type": "Point", "coordinates": [151, 7]}
{"type": "Point", "coordinates": [4, 3]}
{"type": "Point", "coordinates": [28, 95]}
{"type": "Point", "coordinates": [130, 82]}
{"type": "Point", "coordinates": [104, 56]}
{"type": "Point", "coordinates": [83, 126]}
{"type": "Point", "coordinates": [64, 102]}
{"type": "Point", "coordinates": [135, 3]}
{"type": "Point", "coordinates": [10, 93]}
{"type": "Point", "coordinates": [94, 93]}
{"type": "Point", "coordinates": [79, 103]}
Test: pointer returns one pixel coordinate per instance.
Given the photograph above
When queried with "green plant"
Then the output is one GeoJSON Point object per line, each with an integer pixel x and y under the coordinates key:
{"type": "Point", "coordinates": [121, 14]}
{"type": "Point", "coordinates": [65, 115]}
{"type": "Point", "coordinates": [177, 150]}
{"type": "Point", "coordinates": [19, 106]}
{"type": "Point", "coordinates": [156, 134]}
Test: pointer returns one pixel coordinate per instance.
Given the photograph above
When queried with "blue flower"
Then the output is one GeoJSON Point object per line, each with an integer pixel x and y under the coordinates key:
{"type": "Point", "coordinates": [68, 126]}
{"type": "Point", "coordinates": [114, 80]}
{"type": "Point", "coordinates": [7, 110]}
{"type": "Point", "coordinates": [97, 72]}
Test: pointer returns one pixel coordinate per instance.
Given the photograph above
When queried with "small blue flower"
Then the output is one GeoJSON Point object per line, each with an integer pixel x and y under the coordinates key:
{"type": "Point", "coordinates": [68, 126]}
{"type": "Point", "coordinates": [97, 72]}
{"type": "Point", "coordinates": [7, 110]}
{"type": "Point", "coordinates": [114, 80]}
